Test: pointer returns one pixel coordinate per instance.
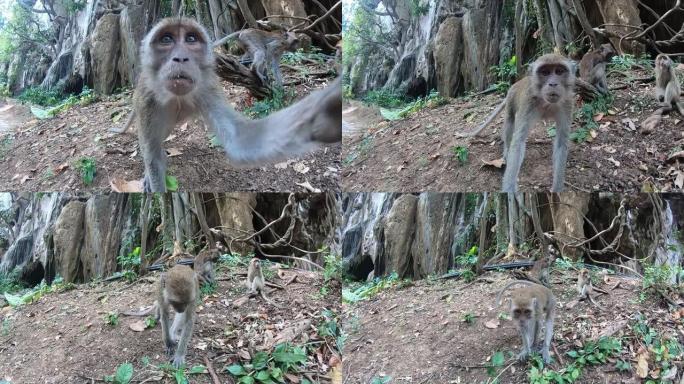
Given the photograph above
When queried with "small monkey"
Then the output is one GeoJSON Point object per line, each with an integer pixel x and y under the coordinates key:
{"type": "Point", "coordinates": [256, 284]}
{"type": "Point", "coordinates": [204, 266]}
{"type": "Point", "coordinates": [538, 274]}
{"type": "Point", "coordinates": [667, 85]}
{"type": "Point", "coordinates": [178, 81]}
{"type": "Point", "coordinates": [264, 49]}
{"type": "Point", "coordinates": [585, 288]}
{"type": "Point", "coordinates": [592, 67]}
{"type": "Point", "coordinates": [547, 92]}
{"type": "Point", "coordinates": [530, 307]}
{"type": "Point", "coordinates": [178, 289]}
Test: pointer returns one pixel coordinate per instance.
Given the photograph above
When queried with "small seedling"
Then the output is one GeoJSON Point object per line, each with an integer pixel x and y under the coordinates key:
{"type": "Point", "coordinates": [469, 318]}
{"type": "Point", "coordinates": [461, 154]}
{"type": "Point", "coordinates": [86, 167]}
{"type": "Point", "coordinates": [112, 318]}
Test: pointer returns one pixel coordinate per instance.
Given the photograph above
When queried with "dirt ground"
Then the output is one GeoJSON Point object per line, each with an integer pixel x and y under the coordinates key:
{"type": "Point", "coordinates": [417, 334]}
{"type": "Point", "coordinates": [415, 153]}
{"type": "Point", "coordinates": [39, 155]}
{"type": "Point", "coordinates": [63, 338]}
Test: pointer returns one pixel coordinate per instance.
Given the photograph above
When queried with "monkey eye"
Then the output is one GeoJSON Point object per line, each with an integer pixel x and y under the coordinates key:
{"type": "Point", "coordinates": [191, 38]}
{"type": "Point", "coordinates": [560, 71]}
{"type": "Point", "coordinates": [544, 72]}
{"type": "Point", "coordinates": [166, 39]}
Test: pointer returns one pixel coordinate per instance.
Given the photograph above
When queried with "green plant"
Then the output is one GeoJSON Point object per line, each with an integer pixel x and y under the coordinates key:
{"type": "Point", "coordinates": [625, 62]}
{"type": "Point", "coordinates": [150, 322]}
{"type": "Point", "coordinates": [40, 96]}
{"type": "Point", "coordinates": [208, 288]}
{"type": "Point", "coordinates": [171, 183]}
{"type": "Point", "coordinates": [269, 368]}
{"type": "Point", "coordinates": [180, 374]}
{"type": "Point", "coordinates": [362, 150]}
{"type": "Point", "coordinates": [353, 293]}
{"type": "Point", "coordinates": [505, 74]}
{"type": "Point", "coordinates": [86, 167]}
{"type": "Point", "coordinates": [383, 98]}
{"type": "Point", "coordinates": [123, 375]}
{"type": "Point", "coordinates": [9, 282]}
{"type": "Point", "coordinates": [279, 99]}
{"type": "Point", "coordinates": [332, 266]}
{"type": "Point", "coordinates": [586, 116]}
{"type": "Point", "coordinates": [416, 9]}
{"type": "Point", "coordinates": [5, 328]}
{"type": "Point", "coordinates": [469, 318]}
{"type": "Point", "coordinates": [330, 327]}
{"type": "Point", "coordinates": [112, 318]}
{"type": "Point", "coordinates": [657, 280]}
{"type": "Point", "coordinates": [461, 154]}
{"type": "Point", "coordinates": [381, 380]}
{"type": "Point", "coordinates": [5, 145]}
{"type": "Point", "coordinates": [497, 361]}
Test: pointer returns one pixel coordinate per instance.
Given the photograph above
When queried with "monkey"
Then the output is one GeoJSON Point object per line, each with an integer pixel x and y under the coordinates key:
{"type": "Point", "coordinates": [585, 288]}
{"type": "Point", "coordinates": [547, 92]}
{"type": "Point", "coordinates": [204, 267]}
{"type": "Point", "coordinates": [178, 80]}
{"type": "Point", "coordinates": [539, 273]}
{"type": "Point", "coordinates": [530, 306]}
{"type": "Point", "coordinates": [667, 85]}
{"type": "Point", "coordinates": [263, 50]}
{"type": "Point", "coordinates": [256, 284]}
{"type": "Point", "coordinates": [592, 67]}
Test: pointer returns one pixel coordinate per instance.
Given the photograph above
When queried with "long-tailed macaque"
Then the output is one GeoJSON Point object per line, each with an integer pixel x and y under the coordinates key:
{"type": "Point", "coordinates": [592, 67]}
{"type": "Point", "coordinates": [256, 284]}
{"type": "Point", "coordinates": [530, 307]}
{"type": "Point", "coordinates": [547, 92]}
{"type": "Point", "coordinates": [178, 289]}
{"type": "Point", "coordinates": [178, 80]}
{"type": "Point", "coordinates": [204, 265]}
{"type": "Point", "coordinates": [667, 85]}
{"type": "Point", "coordinates": [585, 288]}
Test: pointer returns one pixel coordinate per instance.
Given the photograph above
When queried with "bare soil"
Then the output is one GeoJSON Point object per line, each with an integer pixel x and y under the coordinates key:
{"type": "Point", "coordinates": [39, 155]}
{"type": "Point", "coordinates": [417, 334]}
{"type": "Point", "coordinates": [63, 338]}
{"type": "Point", "coordinates": [416, 153]}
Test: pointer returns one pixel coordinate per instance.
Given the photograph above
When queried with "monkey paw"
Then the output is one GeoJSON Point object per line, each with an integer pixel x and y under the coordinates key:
{"type": "Point", "coordinates": [178, 361]}
{"type": "Point", "coordinates": [522, 356]}
{"type": "Point", "coordinates": [170, 349]}
{"type": "Point", "coordinates": [546, 356]}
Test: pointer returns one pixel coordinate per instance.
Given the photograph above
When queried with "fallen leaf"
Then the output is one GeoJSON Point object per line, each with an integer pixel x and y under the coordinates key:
{"type": "Point", "coordinates": [123, 186]}
{"type": "Point", "coordinates": [60, 168]}
{"type": "Point", "coordinates": [598, 117]}
{"type": "Point", "coordinates": [628, 124]}
{"type": "Point", "coordinates": [679, 180]}
{"type": "Point", "coordinates": [301, 167]}
{"type": "Point", "coordinates": [498, 163]}
{"type": "Point", "coordinates": [642, 365]}
{"type": "Point", "coordinates": [173, 152]}
{"type": "Point", "coordinates": [26, 177]}
{"type": "Point", "coordinates": [650, 124]}
{"type": "Point", "coordinates": [309, 187]}
{"type": "Point", "coordinates": [615, 162]}
{"type": "Point", "coordinates": [137, 326]}
{"type": "Point", "coordinates": [609, 149]}
{"type": "Point", "coordinates": [493, 323]}
{"type": "Point", "coordinates": [240, 301]}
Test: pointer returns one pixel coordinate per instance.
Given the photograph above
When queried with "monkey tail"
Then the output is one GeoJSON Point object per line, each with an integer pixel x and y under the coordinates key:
{"type": "Point", "coordinates": [491, 117]}
{"type": "Point", "coordinates": [680, 107]}
{"type": "Point", "coordinates": [525, 282]}
{"type": "Point", "coordinates": [143, 312]}
{"type": "Point", "coordinates": [224, 39]}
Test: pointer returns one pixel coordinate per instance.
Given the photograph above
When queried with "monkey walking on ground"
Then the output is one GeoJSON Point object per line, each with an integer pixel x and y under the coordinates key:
{"type": "Point", "coordinates": [178, 80]}
{"type": "Point", "coordinates": [592, 67]}
{"type": "Point", "coordinates": [256, 284]}
{"type": "Point", "coordinates": [531, 306]}
{"type": "Point", "coordinates": [547, 92]}
{"type": "Point", "coordinates": [667, 85]}
{"type": "Point", "coordinates": [178, 289]}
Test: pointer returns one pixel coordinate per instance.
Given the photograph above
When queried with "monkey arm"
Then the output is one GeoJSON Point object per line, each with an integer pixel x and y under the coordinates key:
{"type": "Point", "coordinates": [296, 130]}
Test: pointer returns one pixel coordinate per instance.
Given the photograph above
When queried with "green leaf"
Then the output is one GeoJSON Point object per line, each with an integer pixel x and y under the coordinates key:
{"type": "Point", "coordinates": [246, 380]}
{"type": "Point", "coordinates": [237, 370]}
{"type": "Point", "coordinates": [40, 112]}
{"type": "Point", "coordinates": [124, 373]}
{"type": "Point", "coordinates": [277, 374]}
{"type": "Point", "coordinates": [214, 142]}
{"type": "Point", "coordinates": [171, 183]}
{"type": "Point", "coordinates": [13, 300]}
{"type": "Point", "coordinates": [260, 360]}
{"type": "Point", "coordinates": [289, 357]}
{"type": "Point", "coordinates": [197, 369]}
{"type": "Point", "coordinates": [498, 359]}
{"type": "Point", "coordinates": [262, 376]}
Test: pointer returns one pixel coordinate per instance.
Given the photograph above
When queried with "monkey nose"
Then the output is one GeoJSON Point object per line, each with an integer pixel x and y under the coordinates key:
{"type": "Point", "coordinates": [180, 59]}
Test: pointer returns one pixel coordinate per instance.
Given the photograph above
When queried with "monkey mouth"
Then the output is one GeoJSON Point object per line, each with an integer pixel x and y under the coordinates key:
{"type": "Point", "coordinates": [180, 83]}
{"type": "Point", "coordinates": [552, 97]}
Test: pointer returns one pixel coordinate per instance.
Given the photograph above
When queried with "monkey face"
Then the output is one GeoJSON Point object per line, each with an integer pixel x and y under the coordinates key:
{"type": "Point", "coordinates": [179, 54]}
{"type": "Point", "coordinates": [553, 79]}
{"type": "Point", "coordinates": [663, 62]}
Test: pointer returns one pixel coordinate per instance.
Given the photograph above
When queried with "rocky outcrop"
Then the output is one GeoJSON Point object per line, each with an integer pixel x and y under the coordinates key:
{"type": "Point", "coordinates": [68, 241]}
{"type": "Point", "coordinates": [235, 213]}
{"type": "Point", "coordinates": [399, 228]}
{"type": "Point", "coordinates": [104, 51]}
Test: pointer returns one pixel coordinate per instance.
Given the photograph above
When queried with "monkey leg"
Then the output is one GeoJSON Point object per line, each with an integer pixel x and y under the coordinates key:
{"type": "Point", "coordinates": [516, 149]}
{"type": "Point", "coordinates": [526, 332]}
{"type": "Point", "coordinates": [560, 149]}
{"type": "Point", "coordinates": [187, 324]}
{"type": "Point", "coordinates": [169, 343]}
{"type": "Point", "coordinates": [155, 162]}
{"type": "Point", "coordinates": [548, 335]}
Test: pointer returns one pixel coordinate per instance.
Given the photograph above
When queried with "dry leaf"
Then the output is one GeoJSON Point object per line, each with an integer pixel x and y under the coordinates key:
{"type": "Point", "coordinates": [615, 162]}
{"type": "Point", "coordinates": [301, 167]}
{"type": "Point", "coordinates": [173, 152]}
{"type": "Point", "coordinates": [651, 123]}
{"type": "Point", "coordinates": [598, 117]}
{"type": "Point", "coordinates": [137, 326]}
{"type": "Point", "coordinates": [240, 301]}
{"type": "Point", "coordinates": [309, 187]}
{"type": "Point", "coordinates": [498, 163]}
{"type": "Point", "coordinates": [123, 186]}
{"type": "Point", "coordinates": [679, 180]}
{"type": "Point", "coordinates": [292, 378]}
{"type": "Point", "coordinates": [642, 365]}
{"type": "Point", "coordinates": [493, 323]}
{"type": "Point", "coordinates": [60, 168]}
{"type": "Point", "coordinates": [628, 124]}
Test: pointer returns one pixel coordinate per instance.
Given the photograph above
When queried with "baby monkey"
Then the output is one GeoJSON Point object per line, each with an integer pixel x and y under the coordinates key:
{"type": "Point", "coordinates": [530, 307]}
{"type": "Point", "coordinates": [585, 288]}
{"type": "Point", "coordinates": [593, 67]}
{"type": "Point", "coordinates": [256, 284]}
